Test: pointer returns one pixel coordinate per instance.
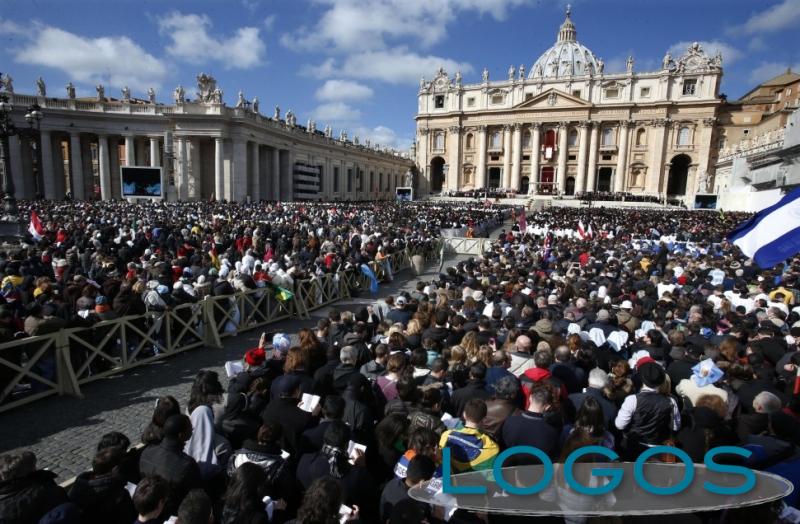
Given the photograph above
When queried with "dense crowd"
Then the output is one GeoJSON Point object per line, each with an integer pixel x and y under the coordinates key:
{"type": "Point", "coordinates": [608, 196]}
{"type": "Point", "coordinates": [650, 330]}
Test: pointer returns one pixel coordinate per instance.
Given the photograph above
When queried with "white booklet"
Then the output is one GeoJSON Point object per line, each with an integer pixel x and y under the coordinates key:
{"type": "Point", "coordinates": [450, 421]}
{"type": "Point", "coordinates": [352, 447]}
{"type": "Point", "coordinates": [309, 402]}
{"type": "Point", "coordinates": [344, 513]}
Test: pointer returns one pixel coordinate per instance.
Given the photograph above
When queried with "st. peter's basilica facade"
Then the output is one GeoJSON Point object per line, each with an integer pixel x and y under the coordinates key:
{"type": "Point", "coordinates": [565, 126]}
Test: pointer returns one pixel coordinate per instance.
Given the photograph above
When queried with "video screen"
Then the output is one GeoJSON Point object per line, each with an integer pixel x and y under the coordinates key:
{"type": "Point", "coordinates": [142, 182]}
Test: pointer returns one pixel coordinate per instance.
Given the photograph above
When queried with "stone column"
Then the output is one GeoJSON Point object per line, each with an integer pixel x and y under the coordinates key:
{"type": "Point", "coordinates": [276, 175]}
{"type": "Point", "coordinates": [105, 168]}
{"type": "Point", "coordinates": [583, 143]}
{"type": "Point", "coordinates": [655, 169]}
{"type": "Point", "coordinates": [591, 170]}
{"type": "Point", "coordinates": [454, 158]}
{"type": "Point", "coordinates": [238, 184]}
{"type": "Point", "coordinates": [46, 167]}
{"type": "Point", "coordinates": [702, 144]}
{"type": "Point", "coordinates": [181, 180]}
{"type": "Point", "coordinates": [255, 173]}
{"type": "Point", "coordinates": [141, 158]}
{"type": "Point", "coordinates": [219, 169]}
{"type": "Point", "coordinates": [561, 173]}
{"type": "Point", "coordinates": [506, 182]}
{"type": "Point", "coordinates": [76, 161]}
{"type": "Point", "coordinates": [17, 174]}
{"type": "Point", "coordinates": [130, 151]}
{"type": "Point", "coordinates": [480, 170]}
{"type": "Point", "coordinates": [622, 159]}
{"type": "Point", "coordinates": [516, 157]}
{"type": "Point", "coordinates": [155, 155]}
{"type": "Point", "coordinates": [536, 140]}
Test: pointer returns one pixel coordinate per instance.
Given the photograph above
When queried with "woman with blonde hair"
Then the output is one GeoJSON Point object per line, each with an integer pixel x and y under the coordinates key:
{"type": "Point", "coordinates": [470, 345]}
{"type": "Point", "coordinates": [455, 355]}
{"type": "Point", "coordinates": [413, 334]}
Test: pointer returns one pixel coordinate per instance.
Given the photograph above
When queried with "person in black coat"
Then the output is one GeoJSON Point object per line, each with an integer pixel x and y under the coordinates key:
{"type": "Point", "coordinates": [332, 411]}
{"type": "Point", "coordinates": [167, 460]}
{"type": "Point", "coordinates": [26, 494]}
{"type": "Point", "coordinates": [101, 493]}
{"type": "Point", "coordinates": [598, 380]}
{"type": "Point", "coordinates": [475, 388]}
{"type": "Point", "coordinates": [293, 421]}
{"type": "Point", "coordinates": [332, 461]}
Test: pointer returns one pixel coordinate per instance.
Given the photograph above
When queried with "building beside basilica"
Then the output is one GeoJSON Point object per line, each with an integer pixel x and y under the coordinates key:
{"type": "Point", "coordinates": [208, 150]}
{"type": "Point", "coordinates": [566, 126]}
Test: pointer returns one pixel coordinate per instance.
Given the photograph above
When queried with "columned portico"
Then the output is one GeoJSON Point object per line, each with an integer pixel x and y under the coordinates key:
{"type": "Point", "coordinates": [155, 156]}
{"type": "Point", "coordinates": [536, 130]}
{"type": "Point", "coordinates": [130, 151]}
{"type": "Point", "coordinates": [219, 169]}
{"type": "Point", "coordinates": [76, 163]}
{"type": "Point", "coordinates": [592, 167]}
{"type": "Point", "coordinates": [480, 173]}
{"type": "Point", "coordinates": [622, 158]}
{"type": "Point", "coordinates": [105, 167]}
{"type": "Point", "coordinates": [580, 181]}
{"type": "Point", "coordinates": [506, 182]}
{"type": "Point", "coordinates": [48, 174]}
{"type": "Point", "coordinates": [516, 157]}
{"type": "Point", "coordinates": [561, 173]}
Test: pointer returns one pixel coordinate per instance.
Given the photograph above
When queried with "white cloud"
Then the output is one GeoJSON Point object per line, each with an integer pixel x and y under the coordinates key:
{"type": "Point", "coordinates": [729, 53]}
{"type": "Point", "coordinates": [192, 42]}
{"type": "Point", "coordinates": [757, 44]}
{"type": "Point", "coordinates": [398, 66]}
{"type": "Point", "coordinates": [114, 61]}
{"type": "Point", "coordinates": [326, 69]}
{"type": "Point", "coordinates": [7, 27]}
{"type": "Point", "coordinates": [383, 136]}
{"type": "Point", "coordinates": [780, 16]}
{"type": "Point", "coordinates": [768, 70]}
{"type": "Point", "coordinates": [353, 25]}
{"type": "Point", "coordinates": [269, 22]}
{"type": "Point", "coordinates": [333, 90]}
{"type": "Point", "coordinates": [335, 112]}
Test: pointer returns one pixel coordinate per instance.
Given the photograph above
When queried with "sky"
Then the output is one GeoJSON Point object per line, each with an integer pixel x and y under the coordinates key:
{"type": "Point", "coordinates": [356, 64]}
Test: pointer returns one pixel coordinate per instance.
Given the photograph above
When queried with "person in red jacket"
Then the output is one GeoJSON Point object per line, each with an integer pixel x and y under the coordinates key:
{"type": "Point", "coordinates": [540, 374]}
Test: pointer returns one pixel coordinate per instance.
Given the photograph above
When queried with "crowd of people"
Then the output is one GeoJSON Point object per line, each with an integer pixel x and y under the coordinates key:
{"type": "Point", "coordinates": [651, 330]}
{"type": "Point", "coordinates": [609, 196]}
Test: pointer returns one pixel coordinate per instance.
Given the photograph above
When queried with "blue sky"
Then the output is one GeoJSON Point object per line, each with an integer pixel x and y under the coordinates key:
{"type": "Point", "coordinates": [356, 64]}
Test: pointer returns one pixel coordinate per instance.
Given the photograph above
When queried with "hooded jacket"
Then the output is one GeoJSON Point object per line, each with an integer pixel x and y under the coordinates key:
{"type": "Point", "coordinates": [103, 499]}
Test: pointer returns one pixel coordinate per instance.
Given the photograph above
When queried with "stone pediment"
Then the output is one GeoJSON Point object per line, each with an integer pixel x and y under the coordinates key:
{"type": "Point", "coordinates": [553, 99]}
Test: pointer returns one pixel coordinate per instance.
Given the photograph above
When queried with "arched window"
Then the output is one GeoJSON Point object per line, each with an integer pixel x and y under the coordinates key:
{"type": "Point", "coordinates": [684, 136]}
{"type": "Point", "coordinates": [470, 141]}
{"type": "Point", "coordinates": [438, 141]}
{"type": "Point", "coordinates": [641, 137]}
{"type": "Point", "coordinates": [572, 138]}
{"type": "Point", "coordinates": [496, 141]}
{"type": "Point", "coordinates": [608, 136]}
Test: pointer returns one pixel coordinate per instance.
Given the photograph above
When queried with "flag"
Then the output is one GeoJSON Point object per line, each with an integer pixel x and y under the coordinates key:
{"type": "Point", "coordinates": [523, 224]}
{"type": "Point", "coordinates": [773, 234]}
{"type": "Point", "coordinates": [590, 233]}
{"type": "Point", "coordinates": [581, 230]}
{"type": "Point", "coordinates": [214, 257]}
{"type": "Point", "coordinates": [373, 286]}
{"type": "Point", "coordinates": [546, 246]}
{"type": "Point", "coordinates": [35, 228]}
{"type": "Point", "coordinates": [281, 293]}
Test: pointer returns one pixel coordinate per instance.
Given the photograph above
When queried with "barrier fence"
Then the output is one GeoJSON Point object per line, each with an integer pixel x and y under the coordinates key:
{"type": "Point", "coordinates": [60, 363]}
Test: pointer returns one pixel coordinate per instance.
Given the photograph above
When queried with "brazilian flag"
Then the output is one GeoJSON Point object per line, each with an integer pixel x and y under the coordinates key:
{"type": "Point", "coordinates": [281, 293]}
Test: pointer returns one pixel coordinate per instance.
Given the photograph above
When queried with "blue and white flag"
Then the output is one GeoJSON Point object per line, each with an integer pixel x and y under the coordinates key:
{"type": "Point", "coordinates": [373, 280]}
{"type": "Point", "coordinates": [773, 234]}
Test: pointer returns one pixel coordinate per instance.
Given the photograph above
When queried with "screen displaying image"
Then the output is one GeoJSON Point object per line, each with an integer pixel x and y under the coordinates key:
{"type": "Point", "coordinates": [143, 182]}
{"type": "Point", "coordinates": [405, 194]}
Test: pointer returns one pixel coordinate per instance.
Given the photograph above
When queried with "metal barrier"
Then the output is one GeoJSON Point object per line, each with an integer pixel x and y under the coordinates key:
{"type": "Point", "coordinates": [466, 246]}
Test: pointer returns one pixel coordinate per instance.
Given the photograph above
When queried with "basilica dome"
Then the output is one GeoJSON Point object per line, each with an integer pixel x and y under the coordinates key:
{"type": "Point", "coordinates": [567, 57]}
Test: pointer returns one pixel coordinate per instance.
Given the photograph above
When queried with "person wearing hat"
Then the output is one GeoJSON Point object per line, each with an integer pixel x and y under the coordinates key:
{"type": "Point", "coordinates": [399, 313]}
{"type": "Point", "coordinates": [625, 318]}
{"type": "Point", "coordinates": [648, 417]}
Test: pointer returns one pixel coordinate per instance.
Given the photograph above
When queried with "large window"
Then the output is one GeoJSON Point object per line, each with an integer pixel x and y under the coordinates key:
{"type": "Point", "coordinates": [684, 136]}
{"type": "Point", "coordinates": [496, 141]}
{"type": "Point", "coordinates": [439, 101]}
{"type": "Point", "coordinates": [608, 136]}
{"type": "Point", "coordinates": [689, 86]}
{"type": "Point", "coordinates": [470, 141]}
{"type": "Point", "coordinates": [498, 99]}
{"type": "Point", "coordinates": [526, 139]}
{"type": "Point", "coordinates": [335, 179]}
{"type": "Point", "coordinates": [612, 92]}
{"type": "Point", "coordinates": [572, 138]}
{"type": "Point", "coordinates": [349, 180]}
{"type": "Point", "coordinates": [438, 141]}
{"type": "Point", "coordinates": [641, 137]}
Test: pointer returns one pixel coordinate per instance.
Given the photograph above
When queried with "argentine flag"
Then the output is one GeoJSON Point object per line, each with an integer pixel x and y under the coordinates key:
{"type": "Point", "coordinates": [773, 234]}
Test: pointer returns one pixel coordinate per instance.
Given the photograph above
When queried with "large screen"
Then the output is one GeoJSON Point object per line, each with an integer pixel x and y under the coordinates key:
{"type": "Point", "coordinates": [141, 182]}
{"type": "Point", "coordinates": [405, 194]}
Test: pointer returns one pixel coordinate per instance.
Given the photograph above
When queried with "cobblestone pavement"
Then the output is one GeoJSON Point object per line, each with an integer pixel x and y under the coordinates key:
{"type": "Point", "coordinates": [63, 431]}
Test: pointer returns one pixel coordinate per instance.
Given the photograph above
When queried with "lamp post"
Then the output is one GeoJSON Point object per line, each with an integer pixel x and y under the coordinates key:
{"type": "Point", "coordinates": [10, 226]}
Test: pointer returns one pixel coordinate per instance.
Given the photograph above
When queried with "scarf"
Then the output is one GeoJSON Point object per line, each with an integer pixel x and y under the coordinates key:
{"type": "Point", "coordinates": [335, 458]}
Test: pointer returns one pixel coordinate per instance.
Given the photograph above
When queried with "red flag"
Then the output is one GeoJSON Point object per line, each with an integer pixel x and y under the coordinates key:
{"type": "Point", "coordinates": [35, 228]}
{"type": "Point", "coordinates": [797, 382]}
{"type": "Point", "coordinates": [581, 230]}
